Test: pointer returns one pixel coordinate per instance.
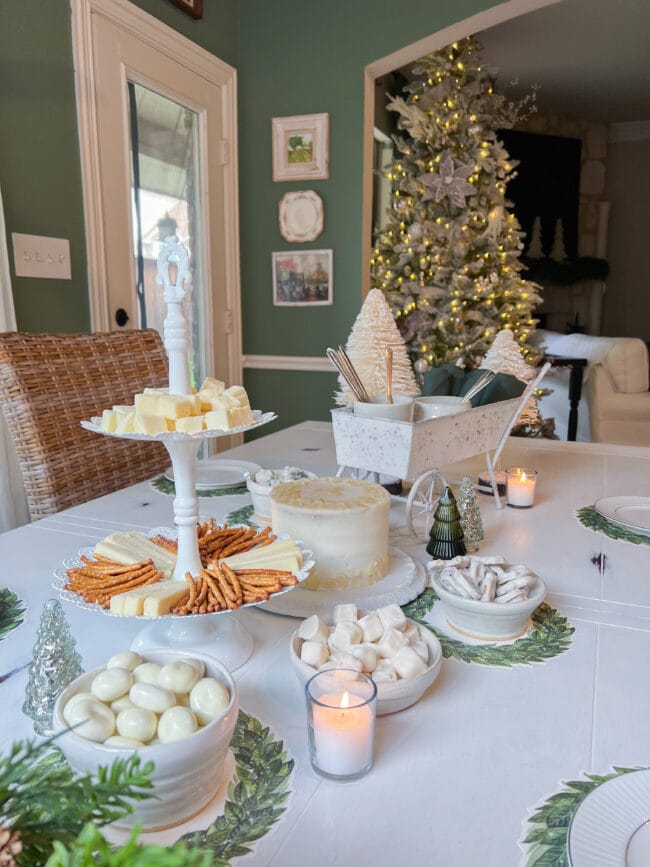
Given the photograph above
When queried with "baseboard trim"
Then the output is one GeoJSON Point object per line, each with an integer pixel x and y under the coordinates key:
{"type": "Point", "coordinates": [288, 362]}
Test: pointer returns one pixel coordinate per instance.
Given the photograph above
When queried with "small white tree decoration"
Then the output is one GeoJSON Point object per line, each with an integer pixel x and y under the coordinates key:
{"type": "Point", "coordinates": [558, 251]}
{"type": "Point", "coordinates": [535, 250]}
{"type": "Point", "coordinates": [505, 356]}
{"type": "Point", "coordinates": [373, 331]}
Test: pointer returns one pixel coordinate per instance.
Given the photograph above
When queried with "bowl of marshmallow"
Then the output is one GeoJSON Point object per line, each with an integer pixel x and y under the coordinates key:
{"type": "Point", "coordinates": [486, 598]}
{"type": "Point", "coordinates": [402, 657]}
{"type": "Point", "coordinates": [259, 487]}
{"type": "Point", "coordinates": [176, 709]}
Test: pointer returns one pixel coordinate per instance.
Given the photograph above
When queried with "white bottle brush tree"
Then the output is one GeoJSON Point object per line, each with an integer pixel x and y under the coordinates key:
{"type": "Point", "coordinates": [448, 258]}
{"type": "Point", "coordinates": [373, 331]}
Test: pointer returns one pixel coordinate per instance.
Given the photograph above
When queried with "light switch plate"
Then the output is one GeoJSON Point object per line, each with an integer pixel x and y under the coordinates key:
{"type": "Point", "coordinates": [36, 256]}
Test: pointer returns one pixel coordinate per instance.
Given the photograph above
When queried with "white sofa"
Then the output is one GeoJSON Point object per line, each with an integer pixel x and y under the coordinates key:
{"type": "Point", "coordinates": [615, 405]}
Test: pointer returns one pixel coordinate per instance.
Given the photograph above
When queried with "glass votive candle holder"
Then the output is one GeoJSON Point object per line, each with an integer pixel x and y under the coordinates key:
{"type": "Point", "coordinates": [520, 487]}
{"type": "Point", "coordinates": [341, 710]}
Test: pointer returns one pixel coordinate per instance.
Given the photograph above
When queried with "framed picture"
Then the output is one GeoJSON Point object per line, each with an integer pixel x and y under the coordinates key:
{"type": "Point", "coordinates": [192, 7]}
{"type": "Point", "coordinates": [301, 147]}
{"type": "Point", "coordinates": [302, 279]}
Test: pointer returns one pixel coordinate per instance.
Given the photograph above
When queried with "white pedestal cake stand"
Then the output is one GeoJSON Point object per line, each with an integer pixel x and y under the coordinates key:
{"type": "Point", "coordinates": [224, 637]}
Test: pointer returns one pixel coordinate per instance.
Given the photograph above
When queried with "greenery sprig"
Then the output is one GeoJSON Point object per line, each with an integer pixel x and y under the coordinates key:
{"type": "Point", "coordinates": [12, 610]}
{"type": "Point", "coordinates": [592, 520]}
{"type": "Point", "coordinates": [43, 799]}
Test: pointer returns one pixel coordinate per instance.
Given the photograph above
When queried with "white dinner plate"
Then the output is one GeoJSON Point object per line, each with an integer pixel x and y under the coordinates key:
{"type": "Point", "coordinates": [632, 512]}
{"type": "Point", "coordinates": [611, 827]}
{"type": "Point", "coordinates": [220, 473]}
{"type": "Point", "coordinates": [405, 580]}
{"type": "Point", "coordinates": [301, 215]}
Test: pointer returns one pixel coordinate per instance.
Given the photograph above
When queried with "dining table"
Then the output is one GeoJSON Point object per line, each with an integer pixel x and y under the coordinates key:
{"type": "Point", "coordinates": [457, 776]}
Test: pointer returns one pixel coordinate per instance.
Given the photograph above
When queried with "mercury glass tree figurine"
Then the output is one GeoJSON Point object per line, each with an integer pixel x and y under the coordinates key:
{"type": "Point", "coordinates": [55, 664]}
{"type": "Point", "coordinates": [470, 515]}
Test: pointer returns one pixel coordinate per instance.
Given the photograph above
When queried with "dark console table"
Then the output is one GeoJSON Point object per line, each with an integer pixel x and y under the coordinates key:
{"type": "Point", "coordinates": [577, 366]}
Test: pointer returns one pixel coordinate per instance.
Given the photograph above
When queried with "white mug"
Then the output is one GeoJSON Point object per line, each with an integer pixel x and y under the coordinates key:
{"type": "Point", "coordinates": [401, 409]}
{"type": "Point", "coordinates": [437, 405]}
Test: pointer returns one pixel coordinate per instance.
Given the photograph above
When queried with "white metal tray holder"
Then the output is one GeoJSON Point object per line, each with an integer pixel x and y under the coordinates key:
{"type": "Point", "coordinates": [415, 450]}
{"type": "Point", "coordinates": [183, 449]}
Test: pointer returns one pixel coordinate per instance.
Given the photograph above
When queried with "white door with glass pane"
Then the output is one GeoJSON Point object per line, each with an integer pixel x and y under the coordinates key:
{"type": "Point", "coordinates": [162, 127]}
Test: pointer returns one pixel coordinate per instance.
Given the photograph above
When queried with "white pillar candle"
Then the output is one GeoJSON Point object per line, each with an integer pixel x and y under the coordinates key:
{"type": "Point", "coordinates": [520, 490]}
{"type": "Point", "coordinates": [343, 735]}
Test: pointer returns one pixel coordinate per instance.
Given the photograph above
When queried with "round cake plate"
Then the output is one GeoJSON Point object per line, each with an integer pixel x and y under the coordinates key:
{"type": "Point", "coordinates": [219, 633]}
{"type": "Point", "coordinates": [406, 579]}
{"type": "Point", "coordinates": [215, 473]}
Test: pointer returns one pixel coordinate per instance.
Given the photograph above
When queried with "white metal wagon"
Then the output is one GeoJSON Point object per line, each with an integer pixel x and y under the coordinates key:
{"type": "Point", "coordinates": [369, 447]}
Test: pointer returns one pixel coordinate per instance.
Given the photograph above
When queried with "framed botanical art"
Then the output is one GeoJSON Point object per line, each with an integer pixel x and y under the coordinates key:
{"type": "Point", "coordinates": [303, 278]}
{"type": "Point", "coordinates": [192, 7]}
{"type": "Point", "coordinates": [301, 147]}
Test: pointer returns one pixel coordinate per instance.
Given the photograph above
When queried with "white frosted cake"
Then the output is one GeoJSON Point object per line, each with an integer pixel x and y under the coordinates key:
{"type": "Point", "coordinates": [343, 521]}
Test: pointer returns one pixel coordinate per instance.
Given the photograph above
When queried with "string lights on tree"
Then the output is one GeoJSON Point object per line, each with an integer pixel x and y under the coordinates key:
{"type": "Point", "coordinates": [448, 259]}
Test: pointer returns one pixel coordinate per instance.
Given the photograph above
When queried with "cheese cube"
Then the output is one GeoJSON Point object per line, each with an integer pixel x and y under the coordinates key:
{"type": "Point", "coordinates": [238, 392]}
{"type": "Point", "coordinates": [121, 409]}
{"type": "Point", "coordinates": [131, 603]}
{"type": "Point", "coordinates": [191, 424]}
{"type": "Point", "coordinates": [125, 423]}
{"type": "Point", "coordinates": [215, 386]}
{"type": "Point", "coordinates": [109, 420]}
{"type": "Point", "coordinates": [162, 599]}
{"type": "Point", "coordinates": [149, 424]}
{"type": "Point", "coordinates": [168, 405]}
{"type": "Point", "coordinates": [226, 419]}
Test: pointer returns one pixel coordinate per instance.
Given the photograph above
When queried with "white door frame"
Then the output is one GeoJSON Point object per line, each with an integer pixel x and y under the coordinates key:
{"type": "Point", "coordinates": [163, 38]}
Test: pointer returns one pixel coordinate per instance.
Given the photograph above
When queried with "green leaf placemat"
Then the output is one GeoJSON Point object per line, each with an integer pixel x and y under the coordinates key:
{"type": "Point", "coordinates": [592, 520]}
{"type": "Point", "coordinates": [244, 515]}
{"type": "Point", "coordinates": [549, 635]}
{"type": "Point", "coordinates": [544, 843]}
{"type": "Point", "coordinates": [166, 486]}
{"type": "Point", "coordinates": [12, 611]}
{"type": "Point", "coordinates": [257, 793]}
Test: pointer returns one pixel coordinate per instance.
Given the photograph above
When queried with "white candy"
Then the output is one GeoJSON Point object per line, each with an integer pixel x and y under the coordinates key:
{"type": "Point", "coordinates": [392, 616]}
{"type": "Point", "coordinates": [367, 654]}
{"type": "Point", "coordinates": [92, 720]}
{"type": "Point", "coordinates": [121, 703]}
{"type": "Point", "coordinates": [120, 741]}
{"type": "Point", "coordinates": [80, 696]}
{"type": "Point", "coordinates": [138, 723]}
{"type": "Point", "coordinates": [407, 663]}
{"type": "Point", "coordinates": [344, 635]}
{"type": "Point", "coordinates": [125, 659]}
{"type": "Point", "coordinates": [411, 630]}
{"type": "Point", "coordinates": [178, 677]}
{"type": "Point", "coordinates": [345, 612]}
{"type": "Point", "coordinates": [196, 664]}
{"type": "Point", "coordinates": [421, 649]}
{"type": "Point", "coordinates": [391, 641]}
{"type": "Point", "coordinates": [314, 653]}
{"type": "Point", "coordinates": [148, 672]}
{"type": "Point", "coordinates": [111, 684]}
{"type": "Point", "coordinates": [150, 697]}
{"type": "Point", "coordinates": [313, 629]}
{"type": "Point", "coordinates": [347, 660]}
{"type": "Point", "coordinates": [384, 672]}
{"type": "Point", "coordinates": [329, 665]}
{"type": "Point", "coordinates": [209, 699]}
{"type": "Point", "coordinates": [371, 626]}
{"type": "Point", "coordinates": [176, 723]}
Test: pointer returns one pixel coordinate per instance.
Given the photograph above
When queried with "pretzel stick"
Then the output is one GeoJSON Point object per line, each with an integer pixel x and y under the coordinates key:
{"type": "Point", "coordinates": [214, 587]}
{"type": "Point", "coordinates": [233, 579]}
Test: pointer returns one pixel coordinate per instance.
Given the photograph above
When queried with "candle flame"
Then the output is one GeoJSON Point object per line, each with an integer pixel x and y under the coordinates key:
{"type": "Point", "coordinates": [345, 699]}
{"type": "Point", "coordinates": [523, 476]}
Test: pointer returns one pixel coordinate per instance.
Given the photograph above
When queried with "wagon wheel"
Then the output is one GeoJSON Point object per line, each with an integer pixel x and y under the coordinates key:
{"type": "Point", "coordinates": [423, 501]}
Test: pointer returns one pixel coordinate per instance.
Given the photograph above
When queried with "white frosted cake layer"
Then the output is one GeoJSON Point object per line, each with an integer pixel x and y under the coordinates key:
{"type": "Point", "coordinates": [343, 521]}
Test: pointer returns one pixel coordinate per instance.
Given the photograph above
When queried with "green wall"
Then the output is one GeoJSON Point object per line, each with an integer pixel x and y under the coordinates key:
{"type": "Point", "coordinates": [293, 57]}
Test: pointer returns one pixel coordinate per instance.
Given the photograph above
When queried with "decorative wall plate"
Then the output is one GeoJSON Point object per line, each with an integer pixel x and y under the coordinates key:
{"type": "Point", "coordinates": [301, 215]}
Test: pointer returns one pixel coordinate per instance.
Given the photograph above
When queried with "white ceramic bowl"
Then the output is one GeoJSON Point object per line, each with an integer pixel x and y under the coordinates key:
{"type": "Point", "coordinates": [260, 496]}
{"type": "Point", "coordinates": [437, 405]}
{"type": "Point", "coordinates": [490, 621]}
{"type": "Point", "coordinates": [187, 772]}
{"type": "Point", "coordinates": [392, 695]}
{"type": "Point", "coordinates": [401, 409]}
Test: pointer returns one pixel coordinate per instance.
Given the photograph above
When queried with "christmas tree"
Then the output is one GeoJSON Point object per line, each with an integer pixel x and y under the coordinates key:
{"type": "Point", "coordinates": [449, 257]}
{"type": "Point", "coordinates": [372, 333]}
{"type": "Point", "coordinates": [446, 535]}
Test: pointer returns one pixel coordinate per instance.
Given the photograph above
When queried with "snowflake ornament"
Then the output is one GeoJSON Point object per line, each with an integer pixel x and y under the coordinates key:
{"type": "Point", "coordinates": [449, 182]}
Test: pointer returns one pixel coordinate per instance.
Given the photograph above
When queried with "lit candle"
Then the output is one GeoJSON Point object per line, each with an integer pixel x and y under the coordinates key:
{"type": "Point", "coordinates": [341, 725]}
{"type": "Point", "coordinates": [521, 487]}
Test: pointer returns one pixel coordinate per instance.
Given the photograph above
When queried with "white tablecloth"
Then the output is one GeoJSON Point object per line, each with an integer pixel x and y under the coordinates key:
{"type": "Point", "coordinates": [455, 774]}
